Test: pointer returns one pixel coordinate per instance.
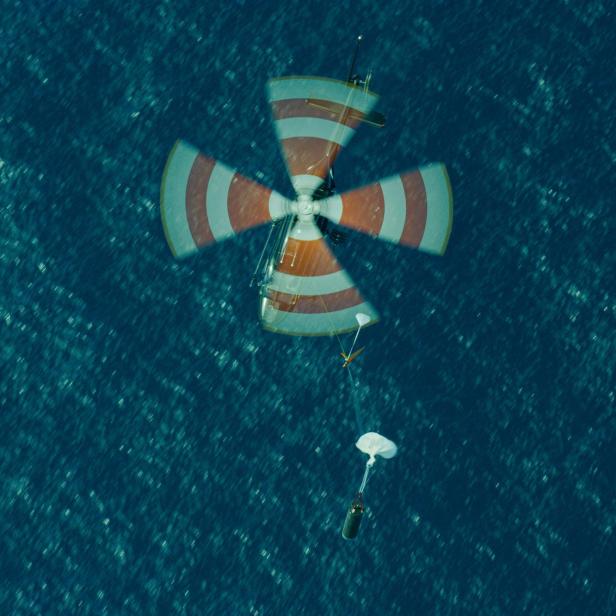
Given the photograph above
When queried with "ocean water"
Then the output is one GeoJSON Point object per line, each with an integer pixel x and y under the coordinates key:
{"type": "Point", "coordinates": [161, 454]}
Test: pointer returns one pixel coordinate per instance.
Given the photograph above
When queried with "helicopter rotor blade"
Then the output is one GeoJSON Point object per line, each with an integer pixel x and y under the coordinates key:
{"type": "Point", "coordinates": [414, 209]}
{"type": "Point", "coordinates": [314, 119]}
{"type": "Point", "coordinates": [203, 201]}
{"type": "Point", "coordinates": [310, 294]}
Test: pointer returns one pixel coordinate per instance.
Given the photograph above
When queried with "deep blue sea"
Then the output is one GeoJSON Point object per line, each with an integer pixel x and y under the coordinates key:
{"type": "Point", "coordinates": [161, 454]}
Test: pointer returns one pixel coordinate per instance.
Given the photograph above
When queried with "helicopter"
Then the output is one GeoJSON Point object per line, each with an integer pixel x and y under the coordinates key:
{"type": "Point", "coordinates": [303, 289]}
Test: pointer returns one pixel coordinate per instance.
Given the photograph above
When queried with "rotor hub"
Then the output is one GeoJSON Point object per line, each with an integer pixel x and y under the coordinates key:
{"type": "Point", "coordinates": [305, 208]}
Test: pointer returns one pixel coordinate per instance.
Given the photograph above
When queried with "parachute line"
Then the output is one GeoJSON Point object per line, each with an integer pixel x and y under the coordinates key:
{"type": "Point", "coordinates": [364, 481]}
{"type": "Point", "coordinates": [358, 422]}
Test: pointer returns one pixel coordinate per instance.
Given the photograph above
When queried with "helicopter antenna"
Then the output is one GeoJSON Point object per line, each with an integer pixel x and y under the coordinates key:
{"type": "Point", "coordinates": [352, 70]}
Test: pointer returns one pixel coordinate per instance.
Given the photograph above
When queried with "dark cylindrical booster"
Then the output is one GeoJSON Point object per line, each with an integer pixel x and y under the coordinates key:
{"type": "Point", "coordinates": [353, 518]}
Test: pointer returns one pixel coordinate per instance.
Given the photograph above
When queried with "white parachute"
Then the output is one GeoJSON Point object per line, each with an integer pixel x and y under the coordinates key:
{"type": "Point", "coordinates": [376, 445]}
{"type": "Point", "coordinates": [362, 319]}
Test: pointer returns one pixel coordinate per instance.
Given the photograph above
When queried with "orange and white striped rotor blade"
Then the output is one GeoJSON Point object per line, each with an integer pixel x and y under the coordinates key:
{"type": "Point", "coordinates": [414, 209]}
{"type": "Point", "coordinates": [310, 294]}
{"type": "Point", "coordinates": [314, 118]}
{"type": "Point", "coordinates": [203, 201]}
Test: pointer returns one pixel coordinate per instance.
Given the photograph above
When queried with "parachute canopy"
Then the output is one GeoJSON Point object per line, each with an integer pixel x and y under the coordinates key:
{"type": "Point", "coordinates": [362, 318]}
{"type": "Point", "coordinates": [374, 444]}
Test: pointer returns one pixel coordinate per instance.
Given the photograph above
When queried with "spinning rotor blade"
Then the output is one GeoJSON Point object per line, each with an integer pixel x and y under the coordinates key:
{"type": "Point", "coordinates": [203, 201]}
{"type": "Point", "coordinates": [314, 117]}
{"type": "Point", "coordinates": [414, 209]}
{"type": "Point", "coordinates": [310, 294]}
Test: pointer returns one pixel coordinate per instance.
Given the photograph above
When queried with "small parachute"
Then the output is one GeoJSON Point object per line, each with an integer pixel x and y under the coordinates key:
{"type": "Point", "coordinates": [362, 319]}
